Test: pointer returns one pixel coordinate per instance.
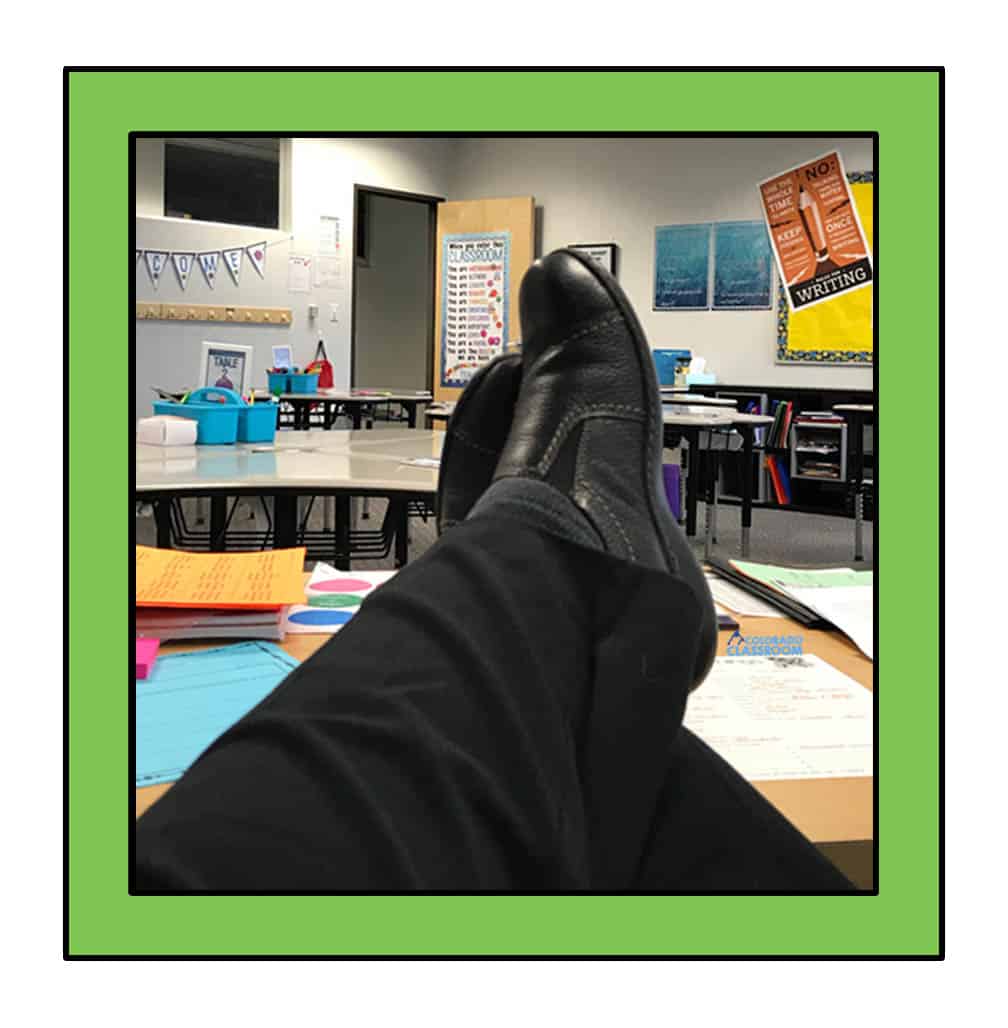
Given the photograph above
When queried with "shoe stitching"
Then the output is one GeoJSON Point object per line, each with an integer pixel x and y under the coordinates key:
{"type": "Point", "coordinates": [582, 484]}
{"type": "Point", "coordinates": [473, 445]}
{"type": "Point", "coordinates": [554, 518]}
{"type": "Point", "coordinates": [577, 415]}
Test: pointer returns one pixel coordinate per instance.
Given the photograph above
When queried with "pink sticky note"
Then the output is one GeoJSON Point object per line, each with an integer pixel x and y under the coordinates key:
{"type": "Point", "coordinates": [146, 654]}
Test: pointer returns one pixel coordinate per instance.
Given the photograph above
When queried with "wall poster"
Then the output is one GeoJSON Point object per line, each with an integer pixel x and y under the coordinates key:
{"type": "Point", "coordinates": [816, 233]}
{"type": "Point", "coordinates": [474, 302]}
{"type": "Point", "coordinates": [743, 266]}
{"type": "Point", "coordinates": [682, 267]}
{"type": "Point", "coordinates": [841, 331]}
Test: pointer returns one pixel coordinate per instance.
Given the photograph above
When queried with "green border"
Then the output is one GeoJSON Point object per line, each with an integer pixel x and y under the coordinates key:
{"type": "Point", "coordinates": [903, 107]}
{"type": "Point", "coordinates": [842, 357]}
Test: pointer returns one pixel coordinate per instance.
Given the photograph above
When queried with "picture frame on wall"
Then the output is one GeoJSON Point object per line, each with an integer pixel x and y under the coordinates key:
{"type": "Point", "coordinates": [602, 253]}
{"type": "Point", "coordinates": [226, 366]}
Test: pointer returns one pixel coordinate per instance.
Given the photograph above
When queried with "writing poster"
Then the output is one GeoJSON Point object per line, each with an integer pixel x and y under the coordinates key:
{"type": "Point", "coordinates": [474, 302]}
{"type": "Point", "coordinates": [816, 234]}
{"type": "Point", "coordinates": [742, 266]}
{"type": "Point", "coordinates": [299, 268]}
{"type": "Point", "coordinates": [682, 267]}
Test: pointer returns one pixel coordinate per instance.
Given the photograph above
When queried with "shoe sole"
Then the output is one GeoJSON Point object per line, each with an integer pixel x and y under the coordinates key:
{"type": "Point", "coordinates": [470, 391]}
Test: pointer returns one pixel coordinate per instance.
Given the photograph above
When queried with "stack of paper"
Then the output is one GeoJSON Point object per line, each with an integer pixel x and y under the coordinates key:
{"type": "Point", "coordinates": [216, 595]}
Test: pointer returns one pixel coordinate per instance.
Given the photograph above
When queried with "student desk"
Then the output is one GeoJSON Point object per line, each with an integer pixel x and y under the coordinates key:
{"type": "Point", "coordinates": [837, 814]}
{"type": "Point", "coordinates": [353, 402]}
{"type": "Point", "coordinates": [313, 463]}
{"type": "Point", "coordinates": [679, 423]}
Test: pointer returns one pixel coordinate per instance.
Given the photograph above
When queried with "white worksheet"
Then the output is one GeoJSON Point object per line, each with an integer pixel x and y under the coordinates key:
{"type": "Point", "coordinates": [850, 607]}
{"type": "Point", "coordinates": [775, 718]}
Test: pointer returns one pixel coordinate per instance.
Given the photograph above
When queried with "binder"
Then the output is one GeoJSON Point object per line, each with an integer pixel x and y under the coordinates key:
{"type": "Point", "coordinates": [789, 607]}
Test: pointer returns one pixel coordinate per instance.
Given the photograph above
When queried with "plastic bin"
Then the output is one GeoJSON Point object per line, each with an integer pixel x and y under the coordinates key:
{"type": "Point", "coordinates": [302, 383]}
{"type": "Point", "coordinates": [216, 419]}
{"type": "Point", "coordinates": [278, 381]}
{"type": "Point", "coordinates": [666, 362]}
{"type": "Point", "coordinates": [257, 423]}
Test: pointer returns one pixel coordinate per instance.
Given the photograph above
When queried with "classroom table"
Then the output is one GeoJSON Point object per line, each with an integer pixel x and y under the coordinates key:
{"type": "Point", "coordinates": [439, 412]}
{"type": "Point", "coordinates": [857, 415]}
{"type": "Point", "coordinates": [354, 402]}
{"type": "Point", "coordinates": [837, 814]}
{"type": "Point", "coordinates": [689, 424]}
{"type": "Point", "coordinates": [696, 400]}
{"type": "Point", "coordinates": [312, 463]}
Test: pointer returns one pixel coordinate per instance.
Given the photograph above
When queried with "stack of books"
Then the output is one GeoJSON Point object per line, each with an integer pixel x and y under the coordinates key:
{"type": "Point", "coordinates": [183, 595]}
{"type": "Point", "coordinates": [777, 434]}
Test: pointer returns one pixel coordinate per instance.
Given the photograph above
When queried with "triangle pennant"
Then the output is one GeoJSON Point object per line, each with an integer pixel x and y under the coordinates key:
{"type": "Point", "coordinates": [138, 253]}
{"type": "Point", "coordinates": [257, 255]}
{"type": "Point", "coordinates": [156, 261]}
{"type": "Point", "coordinates": [208, 265]}
{"type": "Point", "coordinates": [232, 258]}
{"type": "Point", "coordinates": [183, 265]}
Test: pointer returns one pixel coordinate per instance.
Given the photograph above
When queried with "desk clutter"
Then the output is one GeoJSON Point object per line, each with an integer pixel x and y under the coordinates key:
{"type": "Point", "coordinates": [221, 416]}
{"type": "Point", "coordinates": [811, 596]}
{"type": "Point", "coordinates": [184, 701]}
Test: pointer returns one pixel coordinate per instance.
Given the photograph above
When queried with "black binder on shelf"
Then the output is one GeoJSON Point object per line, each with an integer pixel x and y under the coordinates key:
{"type": "Point", "coordinates": [789, 607]}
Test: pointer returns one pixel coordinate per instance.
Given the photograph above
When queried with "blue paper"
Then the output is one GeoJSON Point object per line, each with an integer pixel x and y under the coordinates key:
{"type": "Point", "coordinates": [190, 699]}
{"type": "Point", "coordinates": [742, 266]}
{"type": "Point", "coordinates": [682, 267]}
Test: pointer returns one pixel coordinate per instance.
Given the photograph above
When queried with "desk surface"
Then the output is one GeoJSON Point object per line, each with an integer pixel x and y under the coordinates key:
{"type": "Point", "coordinates": [295, 460]}
{"type": "Point", "coordinates": [377, 396]}
{"type": "Point", "coordinates": [855, 408]}
{"type": "Point", "coordinates": [698, 400]}
{"type": "Point", "coordinates": [835, 813]}
{"type": "Point", "coordinates": [697, 419]}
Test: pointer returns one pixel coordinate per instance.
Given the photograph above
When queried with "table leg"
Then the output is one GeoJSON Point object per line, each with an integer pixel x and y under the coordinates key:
{"type": "Point", "coordinates": [401, 522]}
{"type": "Point", "coordinates": [342, 532]}
{"type": "Point", "coordinates": [162, 521]}
{"type": "Point", "coordinates": [411, 409]}
{"type": "Point", "coordinates": [355, 414]}
{"type": "Point", "coordinates": [858, 523]}
{"type": "Point", "coordinates": [747, 476]}
{"type": "Point", "coordinates": [693, 441]}
{"type": "Point", "coordinates": [218, 519]}
{"type": "Point", "coordinates": [710, 471]}
{"type": "Point", "coordinates": [284, 521]}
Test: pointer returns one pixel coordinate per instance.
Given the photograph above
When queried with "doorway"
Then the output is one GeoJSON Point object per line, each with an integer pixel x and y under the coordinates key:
{"type": "Point", "coordinates": [392, 327]}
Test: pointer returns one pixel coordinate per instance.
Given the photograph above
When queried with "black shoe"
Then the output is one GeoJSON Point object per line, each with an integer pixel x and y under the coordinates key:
{"type": "Point", "coordinates": [475, 436]}
{"type": "Point", "coordinates": [588, 421]}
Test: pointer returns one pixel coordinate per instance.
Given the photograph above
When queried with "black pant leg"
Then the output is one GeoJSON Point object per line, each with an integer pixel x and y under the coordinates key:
{"type": "Point", "coordinates": [492, 719]}
{"type": "Point", "coordinates": [713, 832]}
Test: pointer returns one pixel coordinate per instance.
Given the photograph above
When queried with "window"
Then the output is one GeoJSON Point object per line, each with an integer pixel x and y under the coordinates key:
{"type": "Point", "coordinates": [236, 180]}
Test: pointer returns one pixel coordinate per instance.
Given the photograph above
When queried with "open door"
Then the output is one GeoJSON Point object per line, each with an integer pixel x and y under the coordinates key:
{"type": "Point", "coordinates": [484, 247]}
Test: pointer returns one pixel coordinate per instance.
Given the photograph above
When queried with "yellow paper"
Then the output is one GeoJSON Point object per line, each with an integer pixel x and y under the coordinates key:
{"type": "Point", "coordinates": [845, 323]}
{"type": "Point", "coordinates": [172, 578]}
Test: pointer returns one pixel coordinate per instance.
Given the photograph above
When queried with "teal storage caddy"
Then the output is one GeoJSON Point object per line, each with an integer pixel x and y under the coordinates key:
{"type": "Point", "coordinates": [223, 417]}
{"type": "Point", "coordinates": [666, 362]}
{"type": "Point", "coordinates": [278, 381]}
{"type": "Point", "coordinates": [302, 383]}
{"type": "Point", "coordinates": [257, 422]}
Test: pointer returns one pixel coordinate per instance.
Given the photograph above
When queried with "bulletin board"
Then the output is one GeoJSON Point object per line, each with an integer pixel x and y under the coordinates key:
{"type": "Point", "coordinates": [840, 331]}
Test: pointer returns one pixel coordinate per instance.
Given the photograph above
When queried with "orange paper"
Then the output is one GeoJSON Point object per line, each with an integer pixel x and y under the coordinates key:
{"type": "Point", "coordinates": [261, 580]}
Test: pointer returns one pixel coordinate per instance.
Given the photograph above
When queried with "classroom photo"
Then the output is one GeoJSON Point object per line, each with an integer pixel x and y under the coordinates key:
{"type": "Point", "coordinates": [504, 514]}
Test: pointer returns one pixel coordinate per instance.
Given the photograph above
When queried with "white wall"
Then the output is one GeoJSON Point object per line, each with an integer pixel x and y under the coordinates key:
{"type": "Point", "coordinates": [323, 173]}
{"type": "Point", "coordinates": [618, 190]}
{"type": "Point", "coordinates": [317, 178]}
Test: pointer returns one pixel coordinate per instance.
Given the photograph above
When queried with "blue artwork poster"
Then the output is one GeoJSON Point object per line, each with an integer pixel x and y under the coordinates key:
{"type": "Point", "coordinates": [474, 302]}
{"type": "Point", "coordinates": [682, 267]}
{"type": "Point", "coordinates": [743, 266]}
